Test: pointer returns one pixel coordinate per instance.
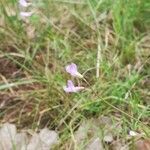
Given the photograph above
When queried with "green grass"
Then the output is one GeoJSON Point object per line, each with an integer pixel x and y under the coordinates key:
{"type": "Point", "coordinates": [76, 31]}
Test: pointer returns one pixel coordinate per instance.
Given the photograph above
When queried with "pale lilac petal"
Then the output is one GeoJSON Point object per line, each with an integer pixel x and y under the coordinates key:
{"type": "Point", "coordinates": [70, 88]}
{"type": "Point", "coordinates": [72, 69]}
{"type": "Point", "coordinates": [70, 84]}
{"type": "Point", "coordinates": [67, 90]}
{"type": "Point", "coordinates": [26, 14]}
{"type": "Point", "coordinates": [24, 3]}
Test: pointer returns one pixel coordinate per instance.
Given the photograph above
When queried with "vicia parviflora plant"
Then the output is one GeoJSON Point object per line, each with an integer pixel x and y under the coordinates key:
{"type": "Point", "coordinates": [73, 71]}
{"type": "Point", "coordinates": [24, 4]}
{"type": "Point", "coordinates": [70, 88]}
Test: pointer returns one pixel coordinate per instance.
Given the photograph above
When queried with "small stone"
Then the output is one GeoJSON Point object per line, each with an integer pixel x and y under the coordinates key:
{"type": "Point", "coordinates": [7, 136]}
{"type": "Point", "coordinates": [108, 138]}
{"type": "Point", "coordinates": [35, 143]}
{"type": "Point", "coordinates": [81, 133]}
{"type": "Point", "coordinates": [48, 137]}
{"type": "Point", "coordinates": [96, 144]}
{"type": "Point", "coordinates": [105, 121]}
{"type": "Point", "coordinates": [21, 141]}
{"type": "Point", "coordinates": [133, 133]}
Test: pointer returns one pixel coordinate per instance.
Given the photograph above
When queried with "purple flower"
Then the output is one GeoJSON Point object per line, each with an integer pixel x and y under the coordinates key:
{"type": "Point", "coordinates": [70, 88]}
{"type": "Point", "coordinates": [26, 14]}
{"type": "Point", "coordinates": [24, 3]}
{"type": "Point", "coordinates": [72, 69]}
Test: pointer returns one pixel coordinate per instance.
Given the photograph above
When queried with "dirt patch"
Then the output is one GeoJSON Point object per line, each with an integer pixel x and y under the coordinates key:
{"type": "Point", "coordinates": [8, 69]}
{"type": "Point", "coordinates": [11, 106]}
{"type": "Point", "coordinates": [19, 110]}
{"type": "Point", "coordinates": [5, 99]}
